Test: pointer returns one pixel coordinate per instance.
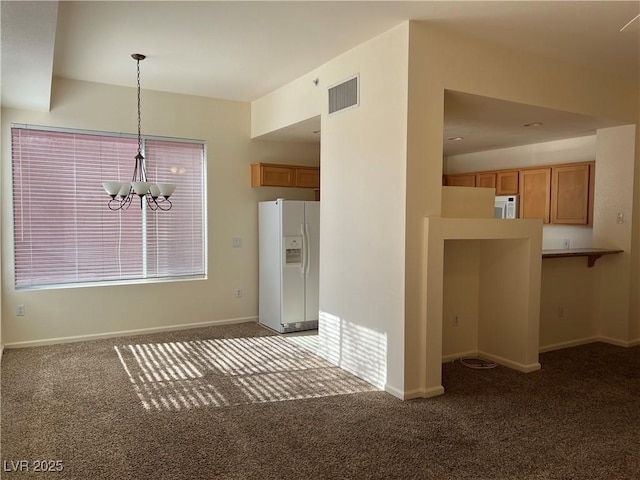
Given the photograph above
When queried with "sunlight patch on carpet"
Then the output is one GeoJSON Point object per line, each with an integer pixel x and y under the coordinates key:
{"type": "Point", "coordinates": [232, 371]}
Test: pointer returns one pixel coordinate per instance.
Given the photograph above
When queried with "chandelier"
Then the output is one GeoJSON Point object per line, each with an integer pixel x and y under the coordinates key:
{"type": "Point", "coordinates": [156, 196]}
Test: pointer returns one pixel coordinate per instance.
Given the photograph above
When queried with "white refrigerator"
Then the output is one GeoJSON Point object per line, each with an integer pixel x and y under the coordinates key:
{"type": "Point", "coordinates": [289, 237]}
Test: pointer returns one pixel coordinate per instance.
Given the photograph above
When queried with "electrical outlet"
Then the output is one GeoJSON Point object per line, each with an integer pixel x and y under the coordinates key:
{"type": "Point", "coordinates": [236, 242]}
{"type": "Point", "coordinates": [238, 292]}
{"type": "Point", "coordinates": [565, 243]}
{"type": "Point", "coordinates": [455, 320]}
{"type": "Point", "coordinates": [620, 218]}
{"type": "Point", "coordinates": [20, 310]}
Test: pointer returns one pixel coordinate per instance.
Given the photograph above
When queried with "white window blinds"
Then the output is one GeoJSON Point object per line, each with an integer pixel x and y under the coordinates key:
{"type": "Point", "coordinates": [64, 233]}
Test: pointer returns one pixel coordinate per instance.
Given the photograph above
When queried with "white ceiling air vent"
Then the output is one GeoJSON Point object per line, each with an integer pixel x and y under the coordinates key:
{"type": "Point", "coordinates": [344, 95]}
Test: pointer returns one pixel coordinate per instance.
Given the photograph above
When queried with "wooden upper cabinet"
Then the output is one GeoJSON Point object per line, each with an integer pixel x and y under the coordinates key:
{"type": "Point", "coordinates": [263, 174]}
{"type": "Point", "coordinates": [507, 182]}
{"type": "Point", "coordinates": [571, 194]}
{"type": "Point", "coordinates": [307, 177]}
{"type": "Point", "coordinates": [486, 179]}
{"type": "Point", "coordinates": [461, 180]}
{"type": "Point", "coordinates": [276, 175]}
{"type": "Point", "coordinates": [535, 193]}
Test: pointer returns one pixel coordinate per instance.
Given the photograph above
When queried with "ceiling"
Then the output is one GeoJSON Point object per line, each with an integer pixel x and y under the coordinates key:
{"type": "Point", "coordinates": [475, 124]}
{"type": "Point", "coordinates": [241, 50]}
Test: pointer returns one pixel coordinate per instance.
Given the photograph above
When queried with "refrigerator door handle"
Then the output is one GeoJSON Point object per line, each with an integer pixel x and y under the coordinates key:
{"type": "Point", "coordinates": [303, 265]}
{"type": "Point", "coordinates": [307, 253]}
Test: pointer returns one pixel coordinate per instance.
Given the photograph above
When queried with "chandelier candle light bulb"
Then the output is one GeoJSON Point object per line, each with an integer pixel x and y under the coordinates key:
{"type": "Point", "coordinates": [121, 193]}
{"type": "Point", "coordinates": [141, 188]}
{"type": "Point", "coordinates": [125, 188]}
{"type": "Point", "coordinates": [112, 188]}
{"type": "Point", "coordinates": [154, 190]}
{"type": "Point", "coordinates": [166, 189]}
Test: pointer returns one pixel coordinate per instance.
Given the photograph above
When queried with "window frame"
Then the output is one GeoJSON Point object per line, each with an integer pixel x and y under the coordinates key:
{"type": "Point", "coordinates": [145, 279]}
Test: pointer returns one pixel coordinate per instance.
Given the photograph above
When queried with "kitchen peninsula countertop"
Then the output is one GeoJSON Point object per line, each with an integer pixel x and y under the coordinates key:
{"type": "Point", "coordinates": [592, 254]}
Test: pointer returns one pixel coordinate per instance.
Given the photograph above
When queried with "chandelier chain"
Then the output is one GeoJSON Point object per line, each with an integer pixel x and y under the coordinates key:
{"type": "Point", "coordinates": [139, 110]}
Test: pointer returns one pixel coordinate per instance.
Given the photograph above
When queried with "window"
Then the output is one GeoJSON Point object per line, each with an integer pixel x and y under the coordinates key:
{"type": "Point", "coordinates": [64, 233]}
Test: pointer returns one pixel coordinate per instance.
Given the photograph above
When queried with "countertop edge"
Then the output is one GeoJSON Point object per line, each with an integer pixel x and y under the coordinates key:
{"type": "Point", "coordinates": [579, 252]}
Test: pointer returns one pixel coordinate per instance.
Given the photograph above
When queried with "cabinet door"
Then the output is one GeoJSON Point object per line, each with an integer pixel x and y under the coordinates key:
{"type": "Point", "coordinates": [507, 183]}
{"type": "Point", "coordinates": [461, 180]}
{"type": "Point", "coordinates": [535, 193]}
{"type": "Point", "coordinates": [486, 179]}
{"type": "Point", "coordinates": [308, 177]}
{"type": "Point", "coordinates": [276, 176]}
{"type": "Point", "coordinates": [570, 194]}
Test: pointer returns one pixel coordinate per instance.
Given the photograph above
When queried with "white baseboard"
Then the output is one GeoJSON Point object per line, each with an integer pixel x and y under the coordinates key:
{"type": "Point", "coordinates": [619, 343]}
{"type": "Point", "coordinates": [494, 358]}
{"type": "Point", "coordinates": [569, 344]}
{"type": "Point", "coordinates": [417, 393]}
{"type": "Point", "coordinates": [455, 356]}
{"type": "Point", "coordinates": [423, 393]}
{"type": "Point", "coordinates": [127, 333]}
{"type": "Point", "coordinates": [521, 367]}
{"type": "Point", "coordinates": [1, 352]}
{"type": "Point", "coordinates": [394, 391]}
{"type": "Point", "coordinates": [587, 340]}
{"type": "Point", "coordinates": [543, 349]}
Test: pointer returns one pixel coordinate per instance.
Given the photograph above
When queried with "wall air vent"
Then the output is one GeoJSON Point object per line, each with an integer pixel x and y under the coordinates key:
{"type": "Point", "coordinates": [344, 95]}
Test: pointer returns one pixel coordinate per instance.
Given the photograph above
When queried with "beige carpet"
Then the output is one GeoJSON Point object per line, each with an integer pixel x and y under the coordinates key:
{"type": "Point", "coordinates": [236, 402]}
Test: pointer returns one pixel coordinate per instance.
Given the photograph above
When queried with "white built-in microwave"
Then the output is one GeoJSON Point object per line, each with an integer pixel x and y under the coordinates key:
{"type": "Point", "coordinates": [506, 206]}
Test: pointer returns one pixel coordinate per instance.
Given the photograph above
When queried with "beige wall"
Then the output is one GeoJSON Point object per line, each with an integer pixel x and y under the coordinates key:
{"type": "Point", "coordinates": [363, 157]}
{"type": "Point", "coordinates": [569, 302]}
{"type": "Point", "coordinates": [59, 314]}
{"type": "Point", "coordinates": [634, 300]}
{"type": "Point", "coordinates": [461, 297]}
{"type": "Point", "coordinates": [468, 202]}
{"type": "Point", "coordinates": [570, 150]}
{"type": "Point", "coordinates": [290, 104]}
{"type": "Point", "coordinates": [362, 242]}
{"type": "Point", "coordinates": [3, 214]}
{"type": "Point", "coordinates": [615, 153]}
